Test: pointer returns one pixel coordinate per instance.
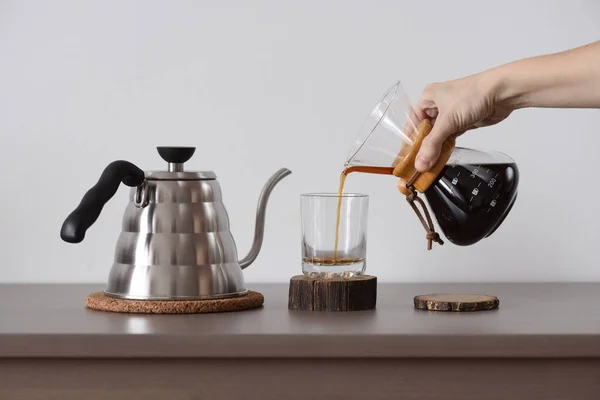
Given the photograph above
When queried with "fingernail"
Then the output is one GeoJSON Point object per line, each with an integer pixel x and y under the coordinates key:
{"type": "Point", "coordinates": [422, 163]}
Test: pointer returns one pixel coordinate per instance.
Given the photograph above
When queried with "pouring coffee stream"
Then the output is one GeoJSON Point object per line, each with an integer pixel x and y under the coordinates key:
{"type": "Point", "coordinates": [343, 176]}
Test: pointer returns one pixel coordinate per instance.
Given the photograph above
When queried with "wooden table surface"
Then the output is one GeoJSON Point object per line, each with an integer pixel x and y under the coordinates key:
{"type": "Point", "coordinates": [542, 334]}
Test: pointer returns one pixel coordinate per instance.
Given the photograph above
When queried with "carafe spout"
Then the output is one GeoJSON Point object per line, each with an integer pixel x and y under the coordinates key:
{"type": "Point", "coordinates": [259, 228]}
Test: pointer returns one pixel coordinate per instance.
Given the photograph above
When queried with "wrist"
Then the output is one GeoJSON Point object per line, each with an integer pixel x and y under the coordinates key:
{"type": "Point", "coordinates": [505, 87]}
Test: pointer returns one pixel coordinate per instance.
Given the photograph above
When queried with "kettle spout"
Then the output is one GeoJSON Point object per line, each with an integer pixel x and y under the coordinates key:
{"type": "Point", "coordinates": [259, 228]}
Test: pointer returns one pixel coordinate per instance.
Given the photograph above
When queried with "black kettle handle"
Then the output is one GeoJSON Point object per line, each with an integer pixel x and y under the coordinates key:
{"type": "Point", "coordinates": [87, 212]}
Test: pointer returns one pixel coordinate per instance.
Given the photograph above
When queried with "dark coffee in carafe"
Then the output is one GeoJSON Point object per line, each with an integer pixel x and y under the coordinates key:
{"type": "Point", "coordinates": [470, 201]}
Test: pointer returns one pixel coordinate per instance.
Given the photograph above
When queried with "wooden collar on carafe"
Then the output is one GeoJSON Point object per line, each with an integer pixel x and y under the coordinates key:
{"type": "Point", "coordinates": [412, 181]}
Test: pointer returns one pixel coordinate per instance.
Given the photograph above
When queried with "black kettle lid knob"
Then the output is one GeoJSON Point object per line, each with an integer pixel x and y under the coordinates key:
{"type": "Point", "coordinates": [176, 155]}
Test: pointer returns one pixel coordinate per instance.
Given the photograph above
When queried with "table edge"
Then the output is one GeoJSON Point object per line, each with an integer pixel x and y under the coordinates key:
{"type": "Point", "coordinates": [299, 346]}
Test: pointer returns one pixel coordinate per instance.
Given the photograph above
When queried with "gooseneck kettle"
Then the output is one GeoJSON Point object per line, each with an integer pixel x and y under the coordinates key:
{"type": "Point", "coordinates": [175, 241]}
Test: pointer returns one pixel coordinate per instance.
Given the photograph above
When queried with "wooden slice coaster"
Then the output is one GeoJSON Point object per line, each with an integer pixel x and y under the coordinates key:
{"type": "Point", "coordinates": [335, 294]}
{"type": "Point", "coordinates": [456, 302]}
{"type": "Point", "coordinates": [102, 302]}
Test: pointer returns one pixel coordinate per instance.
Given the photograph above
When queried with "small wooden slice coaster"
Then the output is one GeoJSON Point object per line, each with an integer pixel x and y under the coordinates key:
{"type": "Point", "coordinates": [335, 294]}
{"type": "Point", "coordinates": [102, 302]}
{"type": "Point", "coordinates": [456, 302]}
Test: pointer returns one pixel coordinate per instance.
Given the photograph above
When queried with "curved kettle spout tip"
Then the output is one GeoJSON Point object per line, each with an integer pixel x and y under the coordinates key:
{"type": "Point", "coordinates": [261, 208]}
{"type": "Point", "coordinates": [283, 172]}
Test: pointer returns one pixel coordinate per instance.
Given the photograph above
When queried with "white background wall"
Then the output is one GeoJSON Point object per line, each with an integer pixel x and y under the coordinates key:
{"type": "Point", "coordinates": [83, 83]}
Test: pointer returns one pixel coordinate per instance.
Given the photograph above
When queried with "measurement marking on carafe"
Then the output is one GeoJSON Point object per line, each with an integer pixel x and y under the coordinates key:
{"type": "Point", "coordinates": [457, 175]}
{"type": "Point", "coordinates": [471, 199]}
{"type": "Point", "coordinates": [475, 172]}
{"type": "Point", "coordinates": [488, 170]}
{"type": "Point", "coordinates": [479, 184]}
{"type": "Point", "coordinates": [492, 205]}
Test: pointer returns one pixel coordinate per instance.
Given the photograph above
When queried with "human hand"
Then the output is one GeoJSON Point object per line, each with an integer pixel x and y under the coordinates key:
{"type": "Point", "coordinates": [455, 107]}
{"type": "Point", "coordinates": [568, 79]}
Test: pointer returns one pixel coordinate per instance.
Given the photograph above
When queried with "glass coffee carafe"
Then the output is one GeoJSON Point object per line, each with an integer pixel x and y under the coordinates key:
{"type": "Point", "coordinates": [470, 192]}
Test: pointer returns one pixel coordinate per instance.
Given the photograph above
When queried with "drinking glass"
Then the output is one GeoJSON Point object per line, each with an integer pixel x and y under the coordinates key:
{"type": "Point", "coordinates": [320, 231]}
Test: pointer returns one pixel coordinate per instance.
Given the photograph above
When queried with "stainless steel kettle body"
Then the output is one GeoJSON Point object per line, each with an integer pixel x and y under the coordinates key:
{"type": "Point", "coordinates": [175, 241]}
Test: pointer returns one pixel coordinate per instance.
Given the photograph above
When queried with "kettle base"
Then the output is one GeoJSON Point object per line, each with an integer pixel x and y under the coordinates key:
{"type": "Point", "coordinates": [175, 282]}
{"type": "Point", "coordinates": [128, 296]}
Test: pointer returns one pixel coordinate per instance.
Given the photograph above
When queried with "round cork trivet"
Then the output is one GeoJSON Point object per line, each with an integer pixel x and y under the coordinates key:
{"type": "Point", "coordinates": [102, 302]}
{"type": "Point", "coordinates": [456, 302]}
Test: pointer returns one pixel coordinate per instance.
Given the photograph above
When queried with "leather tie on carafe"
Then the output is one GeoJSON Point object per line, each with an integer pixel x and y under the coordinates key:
{"type": "Point", "coordinates": [412, 197]}
{"type": "Point", "coordinates": [412, 181]}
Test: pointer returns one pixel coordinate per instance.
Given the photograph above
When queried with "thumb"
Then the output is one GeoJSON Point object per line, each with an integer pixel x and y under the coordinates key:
{"type": "Point", "coordinates": [431, 146]}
